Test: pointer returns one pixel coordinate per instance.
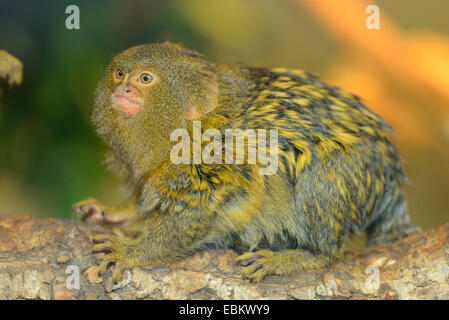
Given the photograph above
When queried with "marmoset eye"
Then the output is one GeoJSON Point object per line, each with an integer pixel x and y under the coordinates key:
{"type": "Point", "coordinates": [119, 74]}
{"type": "Point", "coordinates": [146, 78]}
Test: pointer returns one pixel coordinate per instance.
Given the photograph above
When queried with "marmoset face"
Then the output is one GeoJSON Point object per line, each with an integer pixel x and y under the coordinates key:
{"type": "Point", "coordinates": [161, 81]}
{"type": "Point", "coordinates": [131, 88]}
{"type": "Point", "coordinates": [147, 92]}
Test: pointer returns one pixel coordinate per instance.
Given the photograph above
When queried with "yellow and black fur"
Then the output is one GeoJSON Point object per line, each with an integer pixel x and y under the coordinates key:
{"type": "Point", "coordinates": [338, 172]}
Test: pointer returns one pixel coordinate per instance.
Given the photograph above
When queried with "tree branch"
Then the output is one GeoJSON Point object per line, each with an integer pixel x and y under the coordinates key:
{"type": "Point", "coordinates": [35, 253]}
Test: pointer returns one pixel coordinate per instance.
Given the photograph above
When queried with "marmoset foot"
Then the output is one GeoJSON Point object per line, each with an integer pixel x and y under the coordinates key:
{"type": "Point", "coordinates": [260, 264]}
{"type": "Point", "coordinates": [122, 253]}
{"type": "Point", "coordinates": [90, 210]}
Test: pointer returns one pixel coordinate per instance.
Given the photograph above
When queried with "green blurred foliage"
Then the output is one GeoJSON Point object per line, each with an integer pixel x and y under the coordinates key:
{"type": "Point", "coordinates": [50, 156]}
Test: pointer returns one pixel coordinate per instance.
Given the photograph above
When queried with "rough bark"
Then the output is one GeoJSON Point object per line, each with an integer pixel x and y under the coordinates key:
{"type": "Point", "coordinates": [35, 254]}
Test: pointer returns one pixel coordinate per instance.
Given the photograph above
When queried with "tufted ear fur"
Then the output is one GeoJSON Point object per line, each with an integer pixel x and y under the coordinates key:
{"type": "Point", "coordinates": [204, 99]}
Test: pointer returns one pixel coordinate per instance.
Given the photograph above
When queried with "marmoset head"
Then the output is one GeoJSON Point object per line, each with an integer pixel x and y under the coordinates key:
{"type": "Point", "coordinates": [150, 90]}
{"type": "Point", "coordinates": [160, 77]}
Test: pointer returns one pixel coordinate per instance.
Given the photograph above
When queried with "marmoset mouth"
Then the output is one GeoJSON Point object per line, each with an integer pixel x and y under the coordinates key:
{"type": "Point", "coordinates": [128, 106]}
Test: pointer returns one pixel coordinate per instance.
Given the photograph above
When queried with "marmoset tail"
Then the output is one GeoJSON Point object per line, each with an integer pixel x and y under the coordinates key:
{"type": "Point", "coordinates": [333, 170]}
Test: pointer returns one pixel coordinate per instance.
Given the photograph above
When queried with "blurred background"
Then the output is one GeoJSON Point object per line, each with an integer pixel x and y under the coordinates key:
{"type": "Point", "coordinates": [50, 156]}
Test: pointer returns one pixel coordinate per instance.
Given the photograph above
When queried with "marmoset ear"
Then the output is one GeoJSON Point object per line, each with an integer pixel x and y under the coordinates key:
{"type": "Point", "coordinates": [204, 99]}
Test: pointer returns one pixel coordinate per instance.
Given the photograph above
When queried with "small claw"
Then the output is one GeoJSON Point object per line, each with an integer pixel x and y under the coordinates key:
{"type": "Point", "coordinates": [257, 271]}
{"type": "Point", "coordinates": [249, 257]}
{"type": "Point", "coordinates": [256, 276]}
{"type": "Point", "coordinates": [255, 267]}
{"type": "Point", "coordinates": [252, 269]}
{"type": "Point", "coordinates": [117, 274]}
{"type": "Point", "coordinates": [107, 245]}
{"type": "Point", "coordinates": [76, 212]}
{"type": "Point", "coordinates": [102, 237]}
{"type": "Point", "coordinates": [103, 267]}
{"type": "Point", "coordinates": [119, 233]}
{"type": "Point", "coordinates": [247, 261]}
{"type": "Point", "coordinates": [88, 210]}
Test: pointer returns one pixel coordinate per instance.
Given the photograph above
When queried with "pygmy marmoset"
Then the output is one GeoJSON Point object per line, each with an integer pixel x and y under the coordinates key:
{"type": "Point", "coordinates": [338, 173]}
